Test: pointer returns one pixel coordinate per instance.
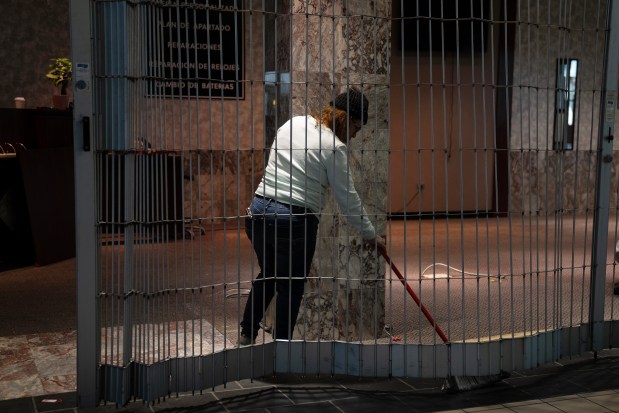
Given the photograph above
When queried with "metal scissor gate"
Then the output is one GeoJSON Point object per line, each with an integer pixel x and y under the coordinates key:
{"type": "Point", "coordinates": [486, 162]}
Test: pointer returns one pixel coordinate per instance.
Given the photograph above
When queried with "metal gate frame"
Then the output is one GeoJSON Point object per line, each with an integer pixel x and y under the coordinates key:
{"type": "Point", "coordinates": [150, 382]}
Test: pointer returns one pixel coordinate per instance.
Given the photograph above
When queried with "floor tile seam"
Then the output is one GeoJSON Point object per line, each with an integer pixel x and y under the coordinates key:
{"type": "Point", "coordinates": [519, 377]}
{"type": "Point", "coordinates": [285, 395]}
{"type": "Point", "coordinates": [255, 381]}
{"type": "Point", "coordinates": [484, 408]}
{"type": "Point", "coordinates": [279, 390]}
{"type": "Point", "coordinates": [598, 404]}
{"type": "Point", "coordinates": [525, 381]}
{"type": "Point", "coordinates": [577, 396]}
{"type": "Point", "coordinates": [590, 369]}
{"type": "Point", "coordinates": [292, 402]}
{"type": "Point", "coordinates": [537, 377]}
{"type": "Point", "coordinates": [31, 354]}
{"type": "Point", "coordinates": [14, 369]}
{"type": "Point", "coordinates": [332, 401]}
{"type": "Point", "coordinates": [337, 407]}
{"type": "Point", "coordinates": [219, 401]}
{"type": "Point", "coordinates": [267, 386]}
{"type": "Point", "coordinates": [27, 395]}
{"type": "Point", "coordinates": [520, 403]}
{"type": "Point", "coordinates": [601, 363]}
{"type": "Point", "coordinates": [543, 399]}
{"type": "Point", "coordinates": [37, 378]}
{"type": "Point", "coordinates": [421, 392]}
{"type": "Point", "coordinates": [71, 346]}
{"type": "Point", "coordinates": [407, 384]}
{"type": "Point", "coordinates": [539, 402]}
{"type": "Point", "coordinates": [315, 389]}
{"type": "Point", "coordinates": [551, 404]}
{"type": "Point", "coordinates": [33, 357]}
{"type": "Point", "coordinates": [354, 392]}
{"type": "Point", "coordinates": [41, 362]}
{"type": "Point", "coordinates": [562, 397]}
{"type": "Point", "coordinates": [307, 403]}
{"type": "Point", "coordinates": [579, 384]}
{"type": "Point", "coordinates": [47, 367]}
{"type": "Point", "coordinates": [32, 337]}
{"type": "Point", "coordinates": [606, 410]}
{"type": "Point", "coordinates": [594, 393]}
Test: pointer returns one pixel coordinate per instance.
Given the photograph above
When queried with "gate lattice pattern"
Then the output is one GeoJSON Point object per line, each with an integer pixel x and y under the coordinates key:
{"type": "Point", "coordinates": [478, 165]}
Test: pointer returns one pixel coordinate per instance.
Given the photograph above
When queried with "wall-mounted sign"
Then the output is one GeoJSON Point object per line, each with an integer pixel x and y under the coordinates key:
{"type": "Point", "coordinates": [197, 50]}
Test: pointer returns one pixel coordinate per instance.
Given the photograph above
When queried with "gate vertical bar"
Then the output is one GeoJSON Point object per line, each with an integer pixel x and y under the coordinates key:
{"type": "Point", "coordinates": [88, 331]}
{"type": "Point", "coordinates": [608, 104]}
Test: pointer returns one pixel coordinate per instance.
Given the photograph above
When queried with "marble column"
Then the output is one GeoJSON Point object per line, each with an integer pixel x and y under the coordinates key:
{"type": "Point", "coordinates": [334, 45]}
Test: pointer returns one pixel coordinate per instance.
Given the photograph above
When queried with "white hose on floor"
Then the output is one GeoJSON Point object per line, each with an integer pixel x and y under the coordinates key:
{"type": "Point", "coordinates": [465, 273]}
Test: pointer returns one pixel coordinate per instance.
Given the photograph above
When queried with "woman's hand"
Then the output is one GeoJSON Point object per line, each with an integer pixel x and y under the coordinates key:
{"type": "Point", "coordinates": [378, 242]}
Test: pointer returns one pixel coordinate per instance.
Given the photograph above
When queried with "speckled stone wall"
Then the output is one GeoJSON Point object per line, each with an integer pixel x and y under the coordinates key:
{"type": "Point", "coordinates": [543, 180]}
{"type": "Point", "coordinates": [337, 44]}
{"type": "Point", "coordinates": [31, 33]}
{"type": "Point", "coordinates": [222, 140]}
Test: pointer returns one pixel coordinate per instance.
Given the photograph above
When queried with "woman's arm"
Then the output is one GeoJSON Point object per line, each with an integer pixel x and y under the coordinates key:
{"type": "Point", "coordinates": [345, 194]}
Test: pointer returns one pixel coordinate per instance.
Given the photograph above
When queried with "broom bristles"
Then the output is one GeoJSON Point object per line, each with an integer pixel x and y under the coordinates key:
{"type": "Point", "coordinates": [463, 383]}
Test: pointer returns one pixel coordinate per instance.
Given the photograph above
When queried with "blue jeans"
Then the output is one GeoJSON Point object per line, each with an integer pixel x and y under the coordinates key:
{"type": "Point", "coordinates": [284, 239]}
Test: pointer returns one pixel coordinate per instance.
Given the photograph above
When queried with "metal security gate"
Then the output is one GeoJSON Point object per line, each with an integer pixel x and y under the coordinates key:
{"type": "Point", "coordinates": [485, 162]}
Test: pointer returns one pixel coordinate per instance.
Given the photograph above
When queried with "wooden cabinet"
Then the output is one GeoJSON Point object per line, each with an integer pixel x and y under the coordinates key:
{"type": "Point", "coordinates": [36, 128]}
{"type": "Point", "coordinates": [42, 172]}
{"type": "Point", "coordinates": [15, 239]}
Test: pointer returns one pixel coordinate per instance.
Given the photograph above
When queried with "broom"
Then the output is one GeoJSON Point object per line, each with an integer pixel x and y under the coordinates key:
{"type": "Point", "coordinates": [417, 300]}
{"type": "Point", "coordinates": [452, 384]}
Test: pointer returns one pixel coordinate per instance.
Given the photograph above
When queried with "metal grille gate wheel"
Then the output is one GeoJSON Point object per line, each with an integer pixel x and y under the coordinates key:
{"type": "Point", "coordinates": [484, 158]}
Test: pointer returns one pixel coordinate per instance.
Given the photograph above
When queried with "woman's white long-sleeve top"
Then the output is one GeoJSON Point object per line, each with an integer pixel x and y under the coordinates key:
{"type": "Point", "coordinates": [305, 159]}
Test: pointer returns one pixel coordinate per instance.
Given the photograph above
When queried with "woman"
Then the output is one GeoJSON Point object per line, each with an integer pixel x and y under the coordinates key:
{"type": "Point", "coordinates": [307, 156]}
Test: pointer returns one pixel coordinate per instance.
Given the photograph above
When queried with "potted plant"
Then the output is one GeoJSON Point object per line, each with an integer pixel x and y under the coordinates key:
{"type": "Point", "coordinates": [60, 70]}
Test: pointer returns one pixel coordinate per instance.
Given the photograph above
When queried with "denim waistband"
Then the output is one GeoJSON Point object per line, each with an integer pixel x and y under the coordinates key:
{"type": "Point", "coordinates": [295, 209]}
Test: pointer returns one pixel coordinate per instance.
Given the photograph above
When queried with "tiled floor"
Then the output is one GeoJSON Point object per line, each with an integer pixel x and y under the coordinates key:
{"type": "Point", "coordinates": [37, 374]}
{"type": "Point", "coordinates": [37, 364]}
{"type": "Point", "coordinates": [37, 370]}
